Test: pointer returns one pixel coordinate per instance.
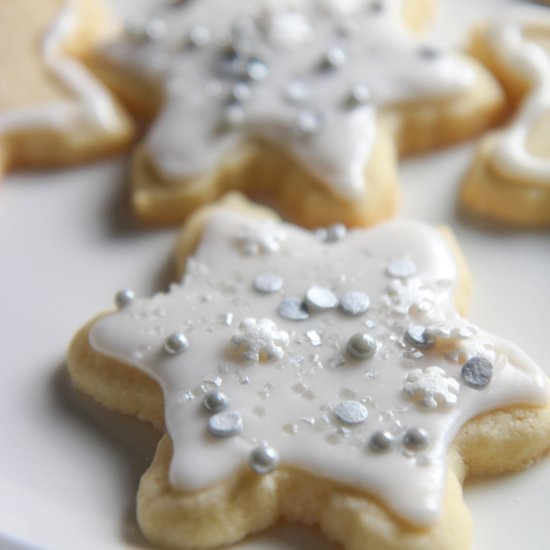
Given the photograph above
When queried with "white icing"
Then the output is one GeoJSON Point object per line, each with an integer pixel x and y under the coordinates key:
{"type": "Point", "coordinates": [508, 40]}
{"type": "Point", "coordinates": [92, 105]}
{"type": "Point", "coordinates": [287, 399]}
{"type": "Point", "coordinates": [293, 38]}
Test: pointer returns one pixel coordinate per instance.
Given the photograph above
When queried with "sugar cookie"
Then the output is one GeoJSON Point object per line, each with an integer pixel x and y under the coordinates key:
{"type": "Point", "coordinates": [509, 180]}
{"type": "Point", "coordinates": [300, 103]}
{"type": "Point", "coordinates": [52, 110]}
{"type": "Point", "coordinates": [324, 377]}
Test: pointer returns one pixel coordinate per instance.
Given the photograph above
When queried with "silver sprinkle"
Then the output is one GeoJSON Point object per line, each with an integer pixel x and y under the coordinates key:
{"type": "Point", "coordinates": [124, 297]}
{"type": "Point", "coordinates": [233, 115]}
{"type": "Point", "coordinates": [176, 343]}
{"type": "Point", "coordinates": [297, 91]}
{"type": "Point", "coordinates": [419, 336]}
{"type": "Point", "coordinates": [293, 309]}
{"type": "Point", "coordinates": [381, 441]}
{"type": "Point", "coordinates": [335, 57]}
{"type": "Point", "coordinates": [351, 412]}
{"type": "Point", "coordinates": [336, 233]}
{"type": "Point", "coordinates": [359, 95]}
{"type": "Point", "coordinates": [401, 268]}
{"type": "Point", "coordinates": [416, 439]}
{"type": "Point", "coordinates": [155, 29]}
{"type": "Point", "coordinates": [354, 302]}
{"type": "Point", "coordinates": [241, 92]}
{"type": "Point", "coordinates": [263, 460]}
{"type": "Point", "coordinates": [225, 424]}
{"type": "Point", "coordinates": [320, 299]}
{"type": "Point", "coordinates": [257, 70]}
{"type": "Point", "coordinates": [199, 36]}
{"type": "Point", "coordinates": [268, 282]}
{"type": "Point", "coordinates": [361, 346]}
{"type": "Point", "coordinates": [378, 6]}
{"type": "Point", "coordinates": [308, 123]}
{"type": "Point", "coordinates": [215, 401]}
{"type": "Point", "coordinates": [135, 28]}
{"type": "Point", "coordinates": [477, 372]}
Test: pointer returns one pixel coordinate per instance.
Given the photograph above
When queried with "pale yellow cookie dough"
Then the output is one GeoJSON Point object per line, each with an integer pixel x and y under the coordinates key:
{"type": "Point", "coordinates": [270, 175]}
{"type": "Point", "coordinates": [30, 90]}
{"type": "Point", "coordinates": [245, 503]}
{"type": "Point", "coordinates": [490, 190]}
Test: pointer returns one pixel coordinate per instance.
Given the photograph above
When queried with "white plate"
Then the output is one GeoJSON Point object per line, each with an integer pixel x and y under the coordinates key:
{"type": "Point", "coordinates": [69, 470]}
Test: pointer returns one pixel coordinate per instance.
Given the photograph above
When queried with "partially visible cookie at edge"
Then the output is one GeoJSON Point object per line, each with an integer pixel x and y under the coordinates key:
{"type": "Point", "coordinates": [53, 111]}
{"type": "Point", "coordinates": [304, 108]}
{"type": "Point", "coordinates": [323, 377]}
{"type": "Point", "coordinates": [509, 180]}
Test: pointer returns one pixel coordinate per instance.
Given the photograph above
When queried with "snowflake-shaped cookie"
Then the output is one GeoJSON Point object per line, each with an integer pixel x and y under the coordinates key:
{"type": "Point", "coordinates": [431, 387]}
{"type": "Point", "coordinates": [284, 100]}
{"type": "Point", "coordinates": [53, 111]}
{"type": "Point", "coordinates": [319, 399]}
{"type": "Point", "coordinates": [509, 180]}
{"type": "Point", "coordinates": [260, 340]}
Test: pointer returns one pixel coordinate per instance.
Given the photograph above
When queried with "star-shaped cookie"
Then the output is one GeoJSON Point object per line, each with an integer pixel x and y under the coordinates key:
{"type": "Point", "coordinates": [323, 377]}
{"type": "Point", "coordinates": [303, 104]}
{"type": "Point", "coordinates": [509, 180]}
{"type": "Point", "coordinates": [53, 111]}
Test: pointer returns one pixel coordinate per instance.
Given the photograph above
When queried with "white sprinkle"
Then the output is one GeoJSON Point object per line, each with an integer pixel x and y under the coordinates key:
{"type": "Point", "coordinates": [225, 424]}
{"type": "Point", "coordinates": [320, 299]}
{"type": "Point", "coordinates": [233, 115]}
{"type": "Point", "coordinates": [155, 29]}
{"type": "Point", "coordinates": [313, 337]}
{"type": "Point", "coordinates": [241, 92]}
{"type": "Point", "coordinates": [308, 123]}
{"type": "Point", "coordinates": [401, 268]}
{"type": "Point", "coordinates": [351, 412]}
{"type": "Point", "coordinates": [199, 36]}
{"type": "Point", "coordinates": [354, 302]}
{"type": "Point", "coordinates": [359, 95]}
{"type": "Point", "coordinates": [297, 92]}
{"type": "Point", "coordinates": [335, 57]}
{"type": "Point", "coordinates": [257, 70]}
{"type": "Point", "coordinates": [268, 282]}
{"type": "Point", "coordinates": [418, 336]}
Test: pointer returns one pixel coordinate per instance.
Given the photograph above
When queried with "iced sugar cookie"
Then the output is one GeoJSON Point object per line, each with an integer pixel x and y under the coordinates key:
{"type": "Point", "coordinates": [303, 104]}
{"type": "Point", "coordinates": [52, 110]}
{"type": "Point", "coordinates": [324, 377]}
{"type": "Point", "coordinates": [509, 180]}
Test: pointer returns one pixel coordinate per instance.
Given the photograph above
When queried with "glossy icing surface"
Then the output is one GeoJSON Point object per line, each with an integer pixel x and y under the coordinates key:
{"type": "Point", "coordinates": [307, 75]}
{"type": "Point", "coordinates": [294, 384]}
{"type": "Point", "coordinates": [92, 105]}
{"type": "Point", "coordinates": [507, 36]}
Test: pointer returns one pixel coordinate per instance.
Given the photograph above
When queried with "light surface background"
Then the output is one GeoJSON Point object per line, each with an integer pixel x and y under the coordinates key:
{"type": "Point", "coordinates": [69, 470]}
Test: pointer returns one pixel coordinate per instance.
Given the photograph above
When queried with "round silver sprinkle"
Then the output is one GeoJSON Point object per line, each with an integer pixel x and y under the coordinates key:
{"type": "Point", "coordinates": [176, 343]}
{"type": "Point", "coordinates": [320, 299]}
{"type": "Point", "coordinates": [382, 441]}
{"type": "Point", "coordinates": [155, 29]}
{"type": "Point", "coordinates": [233, 115]}
{"type": "Point", "coordinates": [199, 36]}
{"type": "Point", "coordinates": [215, 401]}
{"type": "Point", "coordinates": [297, 91]}
{"type": "Point", "coordinates": [225, 424]}
{"type": "Point", "coordinates": [416, 439]}
{"type": "Point", "coordinates": [378, 6]}
{"type": "Point", "coordinates": [477, 372]}
{"type": "Point", "coordinates": [308, 123]}
{"type": "Point", "coordinates": [263, 460]}
{"type": "Point", "coordinates": [336, 233]}
{"type": "Point", "coordinates": [124, 297]}
{"type": "Point", "coordinates": [361, 346]}
{"type": "Point", "coordinates": [401, 268]}
{"type": "Point", "coordinates": [359, 95]}
{"type": "Point", "coordinates": [354, 302]}
{"type": "Point", "coordinates": [335, 57]}
{"type": "Point", "coordinates": [351, 412]}
{"type": "Point", "coordinates": [268, 282]}
{"type": "Point", "coordinates": [241, 92]}
{"type": "Point", "coordinates": [257, 70]}
{"type": "Point", "coordinates": [419, 336]}
{"type": "Point", "coordinates": [293, 309]}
